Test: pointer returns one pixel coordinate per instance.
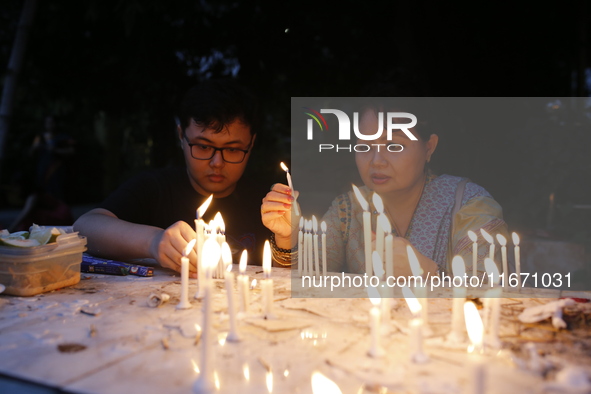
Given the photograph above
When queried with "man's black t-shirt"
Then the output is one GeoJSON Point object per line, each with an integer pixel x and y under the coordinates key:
{"type": "Point", "coordinates": [162, 197]}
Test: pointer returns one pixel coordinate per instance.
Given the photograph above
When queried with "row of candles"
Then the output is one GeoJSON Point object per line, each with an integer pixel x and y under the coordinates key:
{"type": "Point", "coordinates": [384, 239]}
{"type": "Point", "coordinates": [309, 255]}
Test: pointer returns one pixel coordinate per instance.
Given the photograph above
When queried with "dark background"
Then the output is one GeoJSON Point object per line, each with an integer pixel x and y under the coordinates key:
{"type": "Point", "coordinates": [113, 71]}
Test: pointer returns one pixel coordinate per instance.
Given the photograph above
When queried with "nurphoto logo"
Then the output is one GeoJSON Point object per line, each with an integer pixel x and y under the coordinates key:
{"type": "Point", "coordinates": [345, 129]}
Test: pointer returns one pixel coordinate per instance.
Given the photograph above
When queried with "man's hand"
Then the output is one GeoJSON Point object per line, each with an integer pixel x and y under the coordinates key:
{"type": "Point", "coordinates": [167, 247]}
{"type": "Point", "coordinates": [276, 213]}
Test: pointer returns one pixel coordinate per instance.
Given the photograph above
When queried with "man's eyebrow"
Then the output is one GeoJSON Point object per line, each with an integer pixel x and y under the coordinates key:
{"type": "Point", "coordinates": [207, 140]}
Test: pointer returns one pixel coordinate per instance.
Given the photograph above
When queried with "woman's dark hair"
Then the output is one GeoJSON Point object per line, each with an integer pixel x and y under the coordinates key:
{"type": "Point", "coordinates": [217, 103]}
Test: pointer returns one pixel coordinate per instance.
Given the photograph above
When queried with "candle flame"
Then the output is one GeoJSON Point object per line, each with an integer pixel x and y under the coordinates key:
{"type": "Point", "coordinates": [222, 336]}
{"type": "Point", "coordinates": [284, 167]}
{"type": "Point", "coordinates": [378, 265]}
{"type": "Point", "coordinates": [267, 258]}
{"type": "Point", "coordinates": [502, 240]}
{"type": "Point", "coordinates": [246, 372]}
{"type": "Point", "coordinates": [413, 304]}
{"type": "Point", "coordinates": [195, 367]}
{"type": "Point", "coordinates": [301, 223]}
{"type": "Point", "coordinates": [515, 239]}
{"type": "Point", "coordinates": [413, 261]}
{"type": "Point", "coordinates": [323, 226]}
{"type": "Point", "coordinates": [197, 328]}
{"type": "Point", "coordinates": [474, 325]}
{"type": "Point", "coordinates": [286, 373]}
{"type": "Point", "coordinates": [491, 268]}
{"type": "Point", "coordinates": [323, 385]}
{"type": "Point", "coordinates": [360, 199]}
{"type": "Point", "coordinates": [243, 261]}
{"type": "Point", "coordinates": [219, 222]}
{"type": "Point", "coordinates": [226, 254]}
{"type": "Point", "coordinates": [458, 266]}
{"type": "Point", "coordinates": [253, 284]}
{"type": "Point", "coordinates": [269, 381]}
{"type": "Point", "coordinates": [385, 223]}
{"type": "Point", "coordinates": [374, 296]}
{"type": "Point", "coordinates": [216, 380]}
{"type": "Point", "coordinates": [307, 225]}
{"type": "Point", "coordinates": [229, 268]}
{"type": "Point", "coordinates": [378, 203]}
{"type": "Point", "coordinates": [189, 247]}
{"type": "Point", "coordinates": [203, 208]}
{"type": "Point", "coordinates": [314, 224]}
{"type": "Point", "coordinates": [472, 235]}
{"type": "Point", "coordinates": [487, 236]}
{"type": "Point", "coordinates": [211, 253]}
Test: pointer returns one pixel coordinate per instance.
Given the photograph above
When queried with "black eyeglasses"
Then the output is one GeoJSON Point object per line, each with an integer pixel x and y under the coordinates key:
{"type": "Point", "coordinates": [229, 155]}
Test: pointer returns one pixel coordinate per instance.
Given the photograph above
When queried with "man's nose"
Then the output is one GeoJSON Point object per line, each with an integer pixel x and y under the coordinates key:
{"type": "Point", "coordinates": [217, 160]}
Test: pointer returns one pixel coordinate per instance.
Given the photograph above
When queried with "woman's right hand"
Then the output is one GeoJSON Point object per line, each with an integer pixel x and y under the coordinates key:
{"type": "Point", "coordinates": [276, 213]}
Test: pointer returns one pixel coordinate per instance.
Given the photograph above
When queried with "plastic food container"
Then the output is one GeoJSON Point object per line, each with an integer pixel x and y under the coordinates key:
{"type": "Point", "coordinates": [31, 271]}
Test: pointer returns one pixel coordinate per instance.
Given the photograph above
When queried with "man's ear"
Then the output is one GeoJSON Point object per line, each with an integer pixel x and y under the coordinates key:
{"type": "Point", "coordinates": [180, 133]}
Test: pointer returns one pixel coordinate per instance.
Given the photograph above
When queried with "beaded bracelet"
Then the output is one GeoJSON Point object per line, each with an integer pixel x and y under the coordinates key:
{"type": "Point", "coordinates": [283, 257]}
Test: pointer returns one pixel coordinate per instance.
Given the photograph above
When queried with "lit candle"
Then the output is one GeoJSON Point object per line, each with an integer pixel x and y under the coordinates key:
{"type": "Point", "coordinates": [374, 322]}
{"type": "Point", "coordinates": [219, 232]}
{"type": "Point", "coordinates": [366, 229]}
{"type": "Point", "coordinates": [323, 385]}
{"type": "Point", "coordinates": [301, 245]}
{"type": "Point", "coordinates": [491, 240]}
{"type": "Point", "coordinates": [377, 202]}
{"type": "Point", "coordinates": [309, 249]}
{"type": "Point", "coordinates": [415, 326]}
{"type": "Point", "coordinates": [475, 332]}
{"type": "Point", "coordinates": [211, 255]}
{"type": "Point", "coordinates": [295, 205]}
{"type": "Point", "coordinates": [243, 285]}
{"type": "Point", "coordinates": [388, 245]}
{"type": "Point", "coordinates": [184, 299]}
{"type": "Point", "coordinates": [517, 259]}
{"type": "Point", "coordinates": [324, 263]}
{"type": "Point", "coordinates": [267, 283]}
{"type": "Point", "coordinates": [458, 327]}
{"type": "Point", "coordinates": [503, 242]}
{"type": "Point", "coordinates": [226, 257]}
{"type": "Point", "coordinates": [316, 254]}
{"type": "Point", "coordinates": [229, 279]}
{"type": "Point", "coordinates": [474, 238]}
{"type": "Point", "coordinates": [378, 270]}
{"type": "Point", "coordinates": [493, 303]}
{"type": "Point", "coordinates": [420, 289]}
{"type": "Point", "coordinates": [200, 231]}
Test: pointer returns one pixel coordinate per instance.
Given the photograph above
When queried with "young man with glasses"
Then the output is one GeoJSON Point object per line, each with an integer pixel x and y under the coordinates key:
{"type": "Point", "coordinates": [152, 215]}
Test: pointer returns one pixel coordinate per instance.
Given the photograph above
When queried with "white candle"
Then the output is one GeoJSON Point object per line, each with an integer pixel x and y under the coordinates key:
{"type": "Point", "coordinates": [310, 249]}
{"type": "Point", "coordinates": [517, 259]}
{"type": "Point", "coordinates": [184, 298]}
{"type": "Point", "coordinates": [324, 263]}
{"type": "Point", "coordinates": [366, 229]}
{"type": "Point", "coordinates": [200, 236]}
{"type": "Point", "coordinates": [267, 283]}
{"type": "Point", "coordinates": [243, 285]}
{"type": "Point", "coordinates": [301, 245]}
{"type": "Point", "coordinates": [503, 242]}
{"type": "Point", "coordinates": [458, 326]}
{"type": "Point", "coordinates": [388, 245]}
{"type": "Point", "coordinates": [374, 323]}
{"type": "Point", "coordinates": [420, 290]}
{"type": "Point", "coordinates": [493, 302]}
{"type": "Point", "coordinates": [474, 238]}
{"type": "Point", "coordinates": [417, 355]}
{"type": "Point", "coordinates": [383, 289]}
{"type": "Point", "coordinates": [229, 279]}
{"type": "Point", "coordinates": [475, 333]}
{"type": "Point", "coordinates": [316, 253]}
{"type": "Point", "coordinates": [211, 255]}
{"type": "Point", "coordinates": [219, 232]}
{"type": "Point", "coordinates": [491, 240]}
{"type": "Point", "coordinates": [290, 184]}
{"type": "Point", "coordinates": [377, 202]}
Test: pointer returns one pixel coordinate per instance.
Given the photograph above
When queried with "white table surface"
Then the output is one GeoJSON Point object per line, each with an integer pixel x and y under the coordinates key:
{"type": "Point", "coordinates": [130, 347]}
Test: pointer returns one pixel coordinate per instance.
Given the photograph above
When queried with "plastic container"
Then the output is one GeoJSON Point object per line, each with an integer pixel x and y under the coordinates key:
{"type": "Point", "coordinates": [31, 271]}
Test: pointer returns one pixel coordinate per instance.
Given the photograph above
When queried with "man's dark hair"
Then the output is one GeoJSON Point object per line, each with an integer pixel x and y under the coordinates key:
{"type": "Point", "coordinates": [217, 103]}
